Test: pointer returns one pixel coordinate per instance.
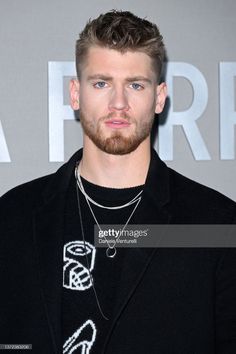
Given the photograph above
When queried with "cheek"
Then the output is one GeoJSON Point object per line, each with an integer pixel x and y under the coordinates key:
{"type": "Point", "coordinates": [145, 99]}
{"type": "Point", "coordinates": [92, 109]}
{"type": "Point", "coordinates": [93, 100]}
{"type": "Point", "coordinates": [144, 106]}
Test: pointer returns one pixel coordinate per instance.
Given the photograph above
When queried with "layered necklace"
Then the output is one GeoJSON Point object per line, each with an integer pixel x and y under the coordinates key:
{"type": "Point", "coordinates": [111, 249]}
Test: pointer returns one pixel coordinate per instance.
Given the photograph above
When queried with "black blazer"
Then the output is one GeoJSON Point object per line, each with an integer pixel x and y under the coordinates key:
{"type": "Point", "coordinates": [170, 301]}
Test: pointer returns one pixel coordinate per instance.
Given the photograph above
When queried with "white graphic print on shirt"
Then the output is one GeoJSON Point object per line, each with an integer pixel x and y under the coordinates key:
{"type": "Point", "coordinates": [80, 341]}
{"type": "Point", "coordinates": [76, 275]}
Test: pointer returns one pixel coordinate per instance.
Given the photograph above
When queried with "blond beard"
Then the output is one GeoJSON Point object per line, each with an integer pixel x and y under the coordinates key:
{"type": "Point", "coordinates": [116, 144]}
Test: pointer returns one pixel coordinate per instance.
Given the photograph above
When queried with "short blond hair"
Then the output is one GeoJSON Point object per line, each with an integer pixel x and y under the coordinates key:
{"type": "Point", "coordinates": [122, 31]}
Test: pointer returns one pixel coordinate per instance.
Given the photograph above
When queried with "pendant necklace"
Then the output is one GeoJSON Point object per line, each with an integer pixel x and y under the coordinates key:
{"type": "Point", "coordinates": [111, 249]}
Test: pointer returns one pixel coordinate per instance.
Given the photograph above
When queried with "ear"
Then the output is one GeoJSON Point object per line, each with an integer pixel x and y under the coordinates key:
{"type": "Point", "coordinates": [161, 95]}
{"type": "Point", "coordinates": [74, 94]}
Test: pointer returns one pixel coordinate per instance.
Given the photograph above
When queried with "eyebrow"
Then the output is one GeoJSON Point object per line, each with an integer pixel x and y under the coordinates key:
{"type": "Point", "coordinates": [139, 78]}
{"type": "Point", "coordinates": [110, 78]}
{"type": "Point", "coordinates": [100, 77]}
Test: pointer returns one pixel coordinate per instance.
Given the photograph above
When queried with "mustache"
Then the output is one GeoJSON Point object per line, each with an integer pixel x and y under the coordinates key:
{"type": "Point", "coordinates": [112, 115]}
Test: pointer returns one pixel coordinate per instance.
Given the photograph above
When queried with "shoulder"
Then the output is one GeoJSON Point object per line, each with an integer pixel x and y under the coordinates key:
{"type": "Point", "coordinates": [24, 197]}
{"type": "Point", "coordinates": [201, 202]}
{"type": "Point", "coordinates": [33, 194]}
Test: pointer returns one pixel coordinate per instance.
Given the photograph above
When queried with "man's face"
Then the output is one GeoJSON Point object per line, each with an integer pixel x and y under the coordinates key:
{"type": "Point", "coordinates": [117, 95]}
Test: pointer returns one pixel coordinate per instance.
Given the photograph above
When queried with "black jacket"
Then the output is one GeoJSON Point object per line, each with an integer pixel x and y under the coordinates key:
{"type": "Point", "coordinates": [171, 301]}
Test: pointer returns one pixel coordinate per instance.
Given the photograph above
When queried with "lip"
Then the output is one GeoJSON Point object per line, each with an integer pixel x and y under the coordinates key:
{"type": "Point", "coordinates": [117, 123]}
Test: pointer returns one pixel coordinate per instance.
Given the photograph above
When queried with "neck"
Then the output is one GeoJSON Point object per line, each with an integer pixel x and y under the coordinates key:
{"type": "Point", "coordinates": [115, 171]}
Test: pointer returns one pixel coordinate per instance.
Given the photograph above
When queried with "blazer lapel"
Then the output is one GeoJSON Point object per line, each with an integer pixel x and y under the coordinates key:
{"type": "Point", "coordinates": [48, 221]}
{"type": "Point", "coordinates": [155, 197]}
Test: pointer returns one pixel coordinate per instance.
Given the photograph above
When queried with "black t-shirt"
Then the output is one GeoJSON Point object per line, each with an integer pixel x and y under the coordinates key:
{"type": "Point", "coordinates": [90, 278]}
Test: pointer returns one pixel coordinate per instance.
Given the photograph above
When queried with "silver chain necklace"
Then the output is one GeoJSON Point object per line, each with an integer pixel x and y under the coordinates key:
{"type": "Point", "coordinates": [111, 249]}
{"type": "Point", "coordinates": [88, 198]}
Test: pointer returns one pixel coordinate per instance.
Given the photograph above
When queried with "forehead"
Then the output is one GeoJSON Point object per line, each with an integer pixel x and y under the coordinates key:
{"type": "Point", "coordinates": [130, 63]}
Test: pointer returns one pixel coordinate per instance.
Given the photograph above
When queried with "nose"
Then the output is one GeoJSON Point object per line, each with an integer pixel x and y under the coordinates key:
{"type": "Point", "coordinates": [118, 100]}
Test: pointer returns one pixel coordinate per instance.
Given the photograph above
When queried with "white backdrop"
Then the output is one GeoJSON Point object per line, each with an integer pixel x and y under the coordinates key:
{"type": "Point", "coordinates": [37, 41]}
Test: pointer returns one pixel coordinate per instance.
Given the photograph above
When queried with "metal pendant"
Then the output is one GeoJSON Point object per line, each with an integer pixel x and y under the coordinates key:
{"type": "Point", "coordinates": [111, 252]}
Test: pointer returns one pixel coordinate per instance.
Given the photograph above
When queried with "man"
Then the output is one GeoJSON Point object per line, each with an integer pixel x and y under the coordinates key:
{"type": "Point", "coordinates": [59, 292]}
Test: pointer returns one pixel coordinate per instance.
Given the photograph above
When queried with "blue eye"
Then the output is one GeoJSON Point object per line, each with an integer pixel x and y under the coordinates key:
{"type": "Point", "coordinates": [100, 84]}
{"type": "Point", "coordinates": [136, 86]}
